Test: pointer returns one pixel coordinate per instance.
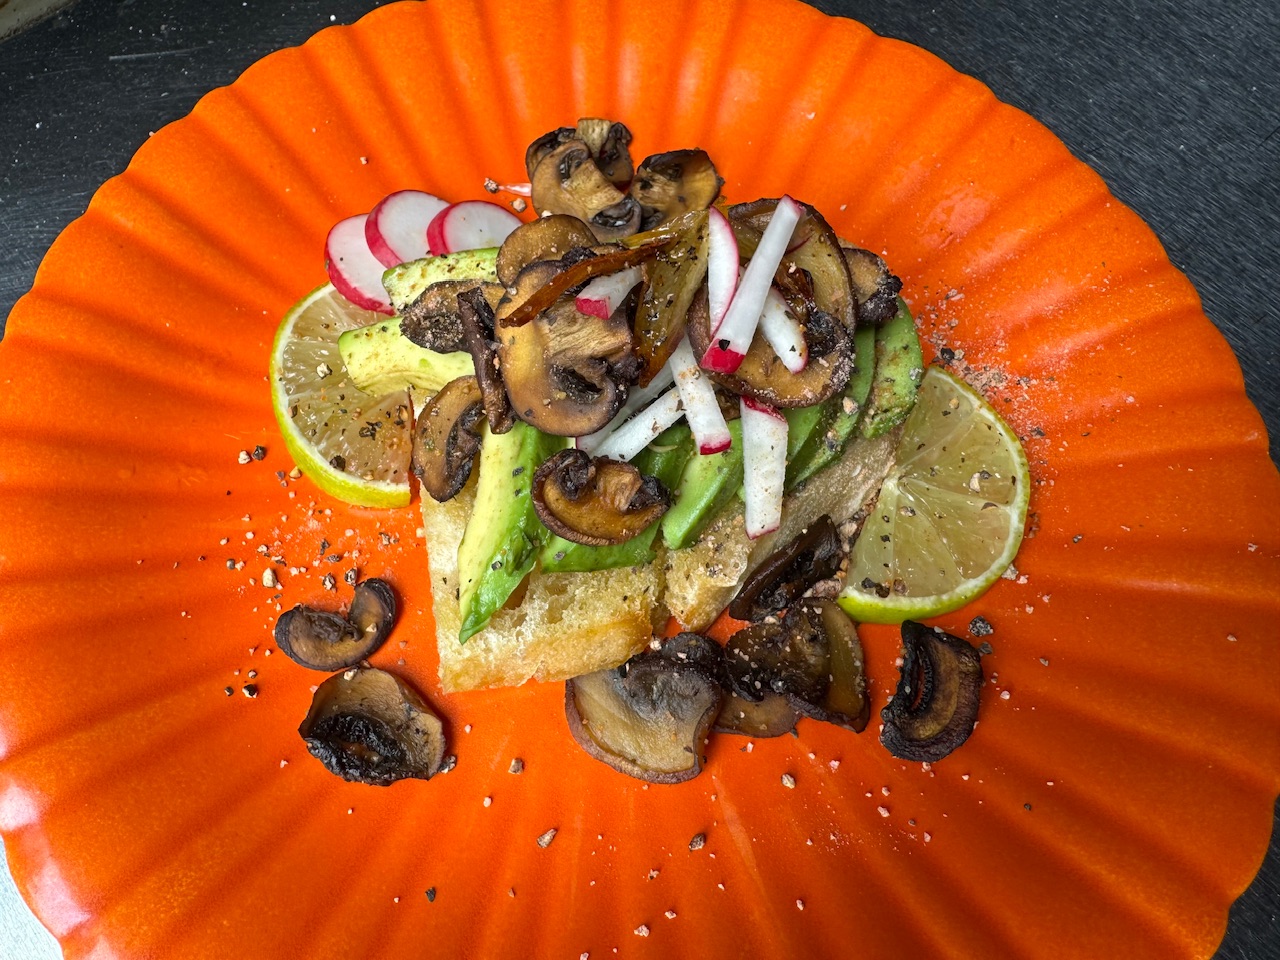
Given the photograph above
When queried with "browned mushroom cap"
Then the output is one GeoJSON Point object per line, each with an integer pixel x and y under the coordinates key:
{"type": "Point", "coordinates": [764, 377]}
{"type": "Point", "coordinates": [369, 726]}
{"type": "Point", "coordinates": [541, 148]}
{"type": "Point", "coordinates": [788, 656]}
{"type": "Point", "coordinates": [596, 501]}
{"type": "Point", "coordinates": [322, 640]}
{"type": "Point", "coordinates": [547, 238]}
{"type": "Point", "coordinates": [814, 249]}
{"type": "Point", "coordinates": [669, 184]}
{"type": "Point", "coordinates": [609, 143]}
{"type": "Point", "coordinates": [771, 717]}
{"type": "Point", "coordinates": [648, 718]}
{"type": "Point", "coordinates": [782, 579]}
{"type": "Point", "coordinates": [446, 438]}
{"type": "Point", "coordinates": [433, 320]}
{"type": "Point", "coordinates": [567, 180]}
{"type": "Point", "coordinates": [875, 288]}
{"type": "Point", "coordinates": [935, 706]}
{"type": "Point", "coordinates": [845, 702]}
{"type": "Point", "coordinates": [477, 333]}
{"type": "Point", "coordinates": [567, 373]}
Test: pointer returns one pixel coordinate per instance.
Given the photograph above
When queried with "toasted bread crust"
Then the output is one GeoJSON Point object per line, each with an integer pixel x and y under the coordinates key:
{"type": "Point", "coordinates": [566, 625]}
{"type": "Point", "coordinates": [569, 624]}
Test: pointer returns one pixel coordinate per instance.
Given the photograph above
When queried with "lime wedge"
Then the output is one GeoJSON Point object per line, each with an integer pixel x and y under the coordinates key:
{"type": "Point", "coordinates": [950, 517]}
{"type": "Point", "coordinates": [353, 445]}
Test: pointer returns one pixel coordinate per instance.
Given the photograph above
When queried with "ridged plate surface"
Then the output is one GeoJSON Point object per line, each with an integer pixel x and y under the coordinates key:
{"type": "Point", "coordinates": [1117, 794]}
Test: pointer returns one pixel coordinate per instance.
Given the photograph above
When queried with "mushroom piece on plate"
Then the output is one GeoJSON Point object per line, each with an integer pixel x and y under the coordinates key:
{"type": "Point", "coordinates": [367, 725]}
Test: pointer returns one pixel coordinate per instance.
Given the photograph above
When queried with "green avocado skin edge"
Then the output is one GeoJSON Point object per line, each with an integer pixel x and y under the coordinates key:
{"type": "Point", "coordinates": [504, 535]}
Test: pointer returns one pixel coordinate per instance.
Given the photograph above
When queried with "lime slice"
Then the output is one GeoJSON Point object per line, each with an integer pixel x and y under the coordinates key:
{"type": "Point", "coordinates": [950, 516]}
{"type": "Point", "coordinates": [355, 446]}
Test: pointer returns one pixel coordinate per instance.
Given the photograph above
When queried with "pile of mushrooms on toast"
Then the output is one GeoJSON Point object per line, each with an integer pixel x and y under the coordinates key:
{"type": "Point", "coordinates": [594, 298]}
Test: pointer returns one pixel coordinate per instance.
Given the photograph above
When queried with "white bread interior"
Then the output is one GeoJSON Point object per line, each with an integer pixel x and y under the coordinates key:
{"type": "Point", "coordinates": [566, 625]}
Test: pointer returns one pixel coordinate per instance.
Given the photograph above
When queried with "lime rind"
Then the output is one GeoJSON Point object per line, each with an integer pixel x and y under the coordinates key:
{"type": "Point", "coordinates": [950, 519]}
{"type": "Point", "coordinates": [306, 339]}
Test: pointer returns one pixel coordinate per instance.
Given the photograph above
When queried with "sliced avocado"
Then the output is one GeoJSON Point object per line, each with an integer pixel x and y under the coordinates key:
{"type": "Point", "coordinates": [879, 395]}
{"type": "Point", "coordinates": [838, 416]}
{"type": "Point", "coordinates": [381, 360]}
{"type": "Point", "coordinates": [405, 283]}
{"type": "Point", "coordinates": [899, 369]}
{"type": "Point", "coordinates": [503, 535]}
{"type": "Point", "coordinates": [707, 484]}
{"type": "Point", "coordinates": [664, 458]}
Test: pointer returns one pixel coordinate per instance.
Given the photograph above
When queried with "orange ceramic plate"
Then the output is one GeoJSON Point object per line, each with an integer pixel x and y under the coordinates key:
{"type": "Point", "coordinates": [1117, 794]}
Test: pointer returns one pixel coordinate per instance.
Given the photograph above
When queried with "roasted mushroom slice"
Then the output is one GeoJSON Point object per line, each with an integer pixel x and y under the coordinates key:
{"type": "Point", "coordinates": [772, 716]}
{"type": "Point", "coordinates": [669, 184]}
{"type": "Point", "coordinates": [547, 238]}
{"type": "Point", "coordinates": [935, 706]}
{"type": "Point", "coordinates": [609, 143]}
{"type": "Point", "coordinates": [764, 377]}
{"type": "Point", "coordinates": [875, 288]}
{"type": "Point", "coordinates": [783, 578]}
{"type": "Point", "coordinates": [648, 718]}
{"type": "Point", "coordinates": [329, 641]}
{"type": "Point", "coordinates": [814, 249]}
{"type": "Point", "coordinates": [433, 320]}
{"type": "Point", "coordinates": [369, 726]}
{"type": "Point", "coordinates": [788, 656]}
{"type": "Point", "coordinates": [567, 373]}
{"type": "Point", "coordinates": [446, 438]}
{"type": "Point", "coordinates": [567, 180]}
{"type": "Point", "coordinates": [845, 702]}
{"type": "Point", "coordinates": [596, 501]}
{"type": "Point", "coordinates": [478, 333]}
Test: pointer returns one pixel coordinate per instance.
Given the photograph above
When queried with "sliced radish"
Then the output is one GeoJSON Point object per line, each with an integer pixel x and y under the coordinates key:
{"type": "Point", "coordinates": [470, 225]}
{"type": "Point", "coordinates": [355, 272]}
{"type": "Point", "coordinates": [602, 296]}
{"type": "Point", "coordinates": [701, 408]}
{"type": "Point", "coordinates": [764, 465]}
{"type": "Point", "coordinates": [638, 432]}
{"type": "Point", "coordinates": [722, 266]}
{"type": "Point", "coordinates": [784, 332]}
{"type": "Point", "coordinates": [397, 227]}
{"type": "Point", "coordinates": [639, 397]}
{"type": "Point", "coordinates": [519, 189]}
{"type": "Point", "coordinates": [731, 341]}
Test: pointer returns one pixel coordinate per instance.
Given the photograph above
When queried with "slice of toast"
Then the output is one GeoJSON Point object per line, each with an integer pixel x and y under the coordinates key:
{"type": "Point", "coordinates": [567, 623]}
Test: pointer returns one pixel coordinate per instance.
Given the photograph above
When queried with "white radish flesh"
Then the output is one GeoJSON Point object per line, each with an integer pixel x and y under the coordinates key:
{"type": "Point", "coordinates": [722, 266]}
{"type": "Point", "coordinates": [602, 296]}
{"type": "Point", "coordinates": [701, 408]}
{"type": "Point", "coordinates": [355, 272]}
{"type": "Point", "coordinates": [638, 397]}
{"type": "Point", "coordinates": [764, 465]}
{"type": "Point", "coordinates": [731, 341]}
{"type": "Point", "coordinates": [470, 225]}
{"type": "Point", "coordinates": [396, 230]}
{"type": "Point", "coordinates": [638, 432]}
{"type": "Point", "coordinates": [784, 333]}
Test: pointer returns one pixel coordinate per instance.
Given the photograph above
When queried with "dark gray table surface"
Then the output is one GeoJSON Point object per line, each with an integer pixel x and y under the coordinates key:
{"type": "Point", "coordinates": [1175, 102]}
